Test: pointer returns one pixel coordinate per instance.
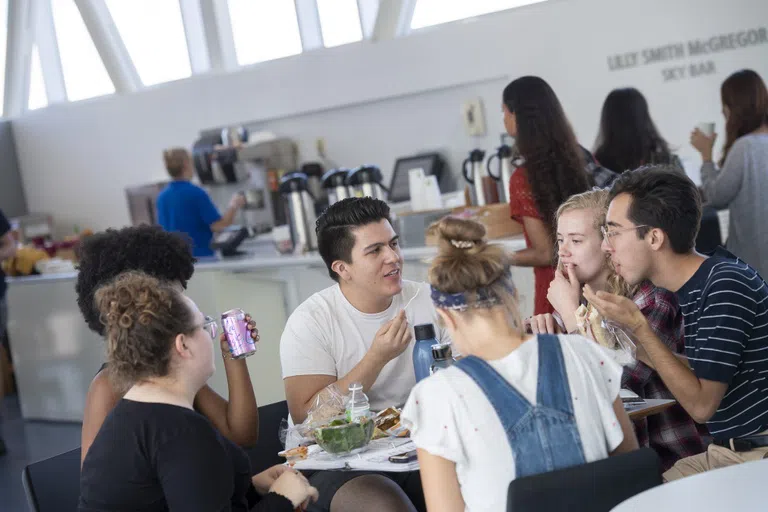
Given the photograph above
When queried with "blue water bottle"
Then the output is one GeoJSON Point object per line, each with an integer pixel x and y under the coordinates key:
{"type": "Point", "coordinates": [422, 350]}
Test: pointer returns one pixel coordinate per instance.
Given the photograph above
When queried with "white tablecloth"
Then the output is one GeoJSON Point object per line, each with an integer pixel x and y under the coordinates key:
{"type": "Point", "coordinates": [743, 487]}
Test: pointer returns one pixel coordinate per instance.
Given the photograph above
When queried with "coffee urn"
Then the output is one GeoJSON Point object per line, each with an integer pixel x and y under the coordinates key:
{"type": "Point", "coordinates": [506, 168]}
{"type": "Point", "coordinates": [334, 183]}
{"type": "Point", "coordinates": [474, 173]}
{"type": "Point", "coordinates": [365, 181]}
{"type": "Point", "coordinates": [294, 188]}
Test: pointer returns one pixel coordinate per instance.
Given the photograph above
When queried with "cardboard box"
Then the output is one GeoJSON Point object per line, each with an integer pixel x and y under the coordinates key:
{"type": "Point", "coordinates": [495, 218]}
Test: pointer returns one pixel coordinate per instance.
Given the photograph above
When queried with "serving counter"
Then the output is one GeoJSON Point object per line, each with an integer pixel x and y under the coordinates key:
{"type": "Point", "coordinates": [56, 356]}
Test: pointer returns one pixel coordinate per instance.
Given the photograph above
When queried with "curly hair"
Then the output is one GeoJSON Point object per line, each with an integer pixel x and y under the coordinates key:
{"type": "Point", "coordinates": [553, 159]}
{"type": "Point", "coordinates": [141, 316]}
{"type": "Point", "coordinates": [148, 249]}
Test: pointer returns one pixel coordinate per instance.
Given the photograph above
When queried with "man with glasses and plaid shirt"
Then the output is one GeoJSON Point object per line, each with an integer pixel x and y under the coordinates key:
{"type": "Point", "coordinates": [722, 381]}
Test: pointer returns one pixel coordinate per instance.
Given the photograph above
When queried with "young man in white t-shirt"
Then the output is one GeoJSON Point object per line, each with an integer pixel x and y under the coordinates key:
{"type": "Point", "coordinates": [358, 331]}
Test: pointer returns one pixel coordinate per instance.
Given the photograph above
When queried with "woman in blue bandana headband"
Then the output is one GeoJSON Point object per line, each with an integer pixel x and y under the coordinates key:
{"type": "Point", "coordinates": [515, 405]}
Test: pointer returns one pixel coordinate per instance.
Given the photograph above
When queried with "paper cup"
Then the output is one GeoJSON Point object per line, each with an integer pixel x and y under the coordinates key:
{"type": "Point", "coordinates": [707, 129]}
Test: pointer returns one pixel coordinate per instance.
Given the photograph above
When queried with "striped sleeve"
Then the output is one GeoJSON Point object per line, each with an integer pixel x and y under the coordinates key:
{"type": "Point", "coordinates": [724, 325]}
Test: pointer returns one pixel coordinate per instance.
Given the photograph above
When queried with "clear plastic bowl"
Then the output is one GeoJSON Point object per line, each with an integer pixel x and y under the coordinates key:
{"type": "Point", "coordinates": [345, 438]}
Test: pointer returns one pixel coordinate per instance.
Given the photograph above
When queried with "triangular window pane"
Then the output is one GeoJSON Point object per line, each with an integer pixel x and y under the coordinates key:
{"type": "Point", "coordinates": [264, 30]}
{"type": "Point", "coordinates": [38, 97]}
{"type": "Point", "coordinates": [156, 43]}
{"type": "Point", "coordinates": [339, 22]}
{"type": "Point", "coordinates": [84, 73]}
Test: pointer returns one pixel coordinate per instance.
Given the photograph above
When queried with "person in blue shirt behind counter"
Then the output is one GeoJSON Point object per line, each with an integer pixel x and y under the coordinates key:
{"type": "Point", "coordinates": [186, 208]}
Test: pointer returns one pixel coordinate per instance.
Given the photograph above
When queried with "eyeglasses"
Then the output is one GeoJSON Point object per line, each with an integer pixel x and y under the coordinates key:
{"type": "Point", "coordinates": [608, 234]}
{"type": "Point", "coordinates": [210, 326]}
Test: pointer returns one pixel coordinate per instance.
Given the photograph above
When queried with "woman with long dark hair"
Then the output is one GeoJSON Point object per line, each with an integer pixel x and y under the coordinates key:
{"type": "Point", "coordinates": [628, 136]}
{"type": "Point", "coordinates": [741, 181]}
{"type": "Point", "coordinates": [553, 170]}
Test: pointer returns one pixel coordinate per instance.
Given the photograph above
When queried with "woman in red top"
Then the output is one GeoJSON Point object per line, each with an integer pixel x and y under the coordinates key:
{"type": "Point", "coordinates": [553, 170]}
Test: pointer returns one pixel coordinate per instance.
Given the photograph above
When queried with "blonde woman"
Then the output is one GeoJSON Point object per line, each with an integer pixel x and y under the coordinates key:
{"type": "Point", "coordinates": [672, 433]}
{"type": "Point", "coordinates": [516, 405]}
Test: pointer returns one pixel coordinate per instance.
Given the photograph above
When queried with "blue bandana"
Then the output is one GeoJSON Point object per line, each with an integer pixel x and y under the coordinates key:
{"type": "Point", "coordinates": [483, 297]}
{"type": "Point", "coordinates": [458, 301]}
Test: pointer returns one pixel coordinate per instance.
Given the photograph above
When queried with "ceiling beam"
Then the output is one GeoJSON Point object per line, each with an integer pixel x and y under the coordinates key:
{"type": "Point", "coordinates": [109, 44]}
{"type": "Point", "coordinates": [309, 25]}
{"type": "Point", "coordinates": [194, 30]}
{"type": "Point", "coordinates": [368, 11]}
{"type": "Point", "coordinates": [219, 40]}
{"type": "Point", "coordinates": [48, 48]}
{"type": "Point", "coordinates": [393, 19]}
{"type": "Point", "coordinates": [18, 58]}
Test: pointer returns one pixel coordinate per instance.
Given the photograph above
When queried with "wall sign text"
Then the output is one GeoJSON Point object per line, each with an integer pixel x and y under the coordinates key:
{"type": "Point", "coordinates": [697, 48]}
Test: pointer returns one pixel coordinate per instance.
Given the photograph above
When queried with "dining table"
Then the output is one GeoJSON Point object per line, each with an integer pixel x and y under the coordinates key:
{"type": "Point", "coordinates": [738, 487]}
{"type": "Point", "coordinates": [648, 407]}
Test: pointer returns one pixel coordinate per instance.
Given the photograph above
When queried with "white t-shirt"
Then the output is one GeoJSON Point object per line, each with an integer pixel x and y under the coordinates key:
{"type": "Point", "coordinates": [450, 416]}
{"type": "Point", "coordinates": [326, 335]}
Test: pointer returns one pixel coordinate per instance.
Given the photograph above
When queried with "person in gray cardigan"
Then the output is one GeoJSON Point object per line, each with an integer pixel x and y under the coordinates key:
{"type": "Point", "coordinates": [740, 180]}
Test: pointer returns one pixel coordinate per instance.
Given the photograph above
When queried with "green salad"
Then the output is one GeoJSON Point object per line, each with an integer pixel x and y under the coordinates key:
{"type": "Point", "coordinates": [341, 436]}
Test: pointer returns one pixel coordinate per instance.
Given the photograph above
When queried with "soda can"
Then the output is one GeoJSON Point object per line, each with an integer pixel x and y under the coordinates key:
{"type": "Point", "coordinates": [238, 336]}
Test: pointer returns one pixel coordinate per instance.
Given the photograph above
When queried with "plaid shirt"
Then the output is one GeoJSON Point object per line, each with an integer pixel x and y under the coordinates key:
{"type": "Point", "coordinates": [672, 433]}
{"type": "Point", "coordinates": [602, 176]}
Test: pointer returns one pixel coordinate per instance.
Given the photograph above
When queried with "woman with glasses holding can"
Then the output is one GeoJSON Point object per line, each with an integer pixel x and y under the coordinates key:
{"type": "Point", "coordinates": [154, 452]}
{"type": "Point", "coordinates": [167, 257]}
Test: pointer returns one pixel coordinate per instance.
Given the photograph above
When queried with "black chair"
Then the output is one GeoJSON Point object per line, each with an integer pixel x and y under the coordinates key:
{"type": "Point", "coordinates": [709, 237]}
{"type": "Point", "coordinates": [595, 487]}
{"type": "Point", "coordinates": [53, 484]}
{"type": "Point", "coordinates": [264, 454]}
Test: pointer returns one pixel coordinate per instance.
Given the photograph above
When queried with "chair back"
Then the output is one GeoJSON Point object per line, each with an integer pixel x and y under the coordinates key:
{"type": "Point", "coordinates": [594, 487]}
{"type": "Point", "coordinates": [53, 485]}
{"type": "Point", "coordinates": [264, 454]}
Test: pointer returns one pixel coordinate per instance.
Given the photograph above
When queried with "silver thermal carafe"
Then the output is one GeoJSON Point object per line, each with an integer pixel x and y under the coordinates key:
{"type": "Point", "coordinates": [334, 182]}
{"type": "Point", "coordinates": [474, 172]}
{"type": "Point", "coordinates": [506, 168]}
{"type": "Point", "coordinates": [301, 207]}
{"type": "Point", "coordinates": [365, 181]}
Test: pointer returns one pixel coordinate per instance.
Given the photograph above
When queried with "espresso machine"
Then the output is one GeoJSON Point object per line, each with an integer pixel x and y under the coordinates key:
{"type": "Point", "coordinates": [334, 183]}
{"type": "Point", "coordinates": [248, 169]}
{"type": "Point", "coordinates": [366, 181]}
{"type": "Point", "coordinates": [294, 187]}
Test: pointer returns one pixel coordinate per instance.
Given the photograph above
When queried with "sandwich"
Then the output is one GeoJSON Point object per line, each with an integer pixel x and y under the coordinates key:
{"type": "Point", "coordinates": [590, 324]}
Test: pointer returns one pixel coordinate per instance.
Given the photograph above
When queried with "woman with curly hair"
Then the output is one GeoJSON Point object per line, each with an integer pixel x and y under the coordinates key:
{"type": "Point", "coordinates": [554, 170]}
{"type": "Point", "coordinates": [154, 451]}
{"type": "Point", "coordinates": [167, 257]}
{"type": "Point", "coordinates": [672, 433]}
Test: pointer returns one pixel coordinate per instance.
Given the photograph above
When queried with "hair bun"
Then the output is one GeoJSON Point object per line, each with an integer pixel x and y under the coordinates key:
{"type": "Point", "coordinates": [462, 234]}
{"type": "Point", "coordinates": [465, 260]}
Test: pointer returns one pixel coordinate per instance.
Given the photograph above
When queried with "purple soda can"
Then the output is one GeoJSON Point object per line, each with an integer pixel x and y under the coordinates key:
{"type": "Point", "coordinates": [238, 336]}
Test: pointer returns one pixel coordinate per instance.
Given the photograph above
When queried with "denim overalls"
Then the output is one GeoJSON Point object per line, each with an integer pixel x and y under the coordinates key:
{"type": "Point", "coordinates": [543, 437]}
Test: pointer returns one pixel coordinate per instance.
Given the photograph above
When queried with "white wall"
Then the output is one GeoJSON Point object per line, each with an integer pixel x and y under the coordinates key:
{"type": "Point", "coordinates": [376, 101]}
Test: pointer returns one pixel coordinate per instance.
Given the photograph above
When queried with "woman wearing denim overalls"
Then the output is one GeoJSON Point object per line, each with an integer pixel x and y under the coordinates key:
{"type": "Point", "coordinates": [515, 405]}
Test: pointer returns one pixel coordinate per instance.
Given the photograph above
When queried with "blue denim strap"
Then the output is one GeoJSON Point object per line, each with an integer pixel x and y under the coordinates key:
{"type": "Point", "coordinates": [553, 390]}
{"type": "Point", "coordinates": [509, 404]}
